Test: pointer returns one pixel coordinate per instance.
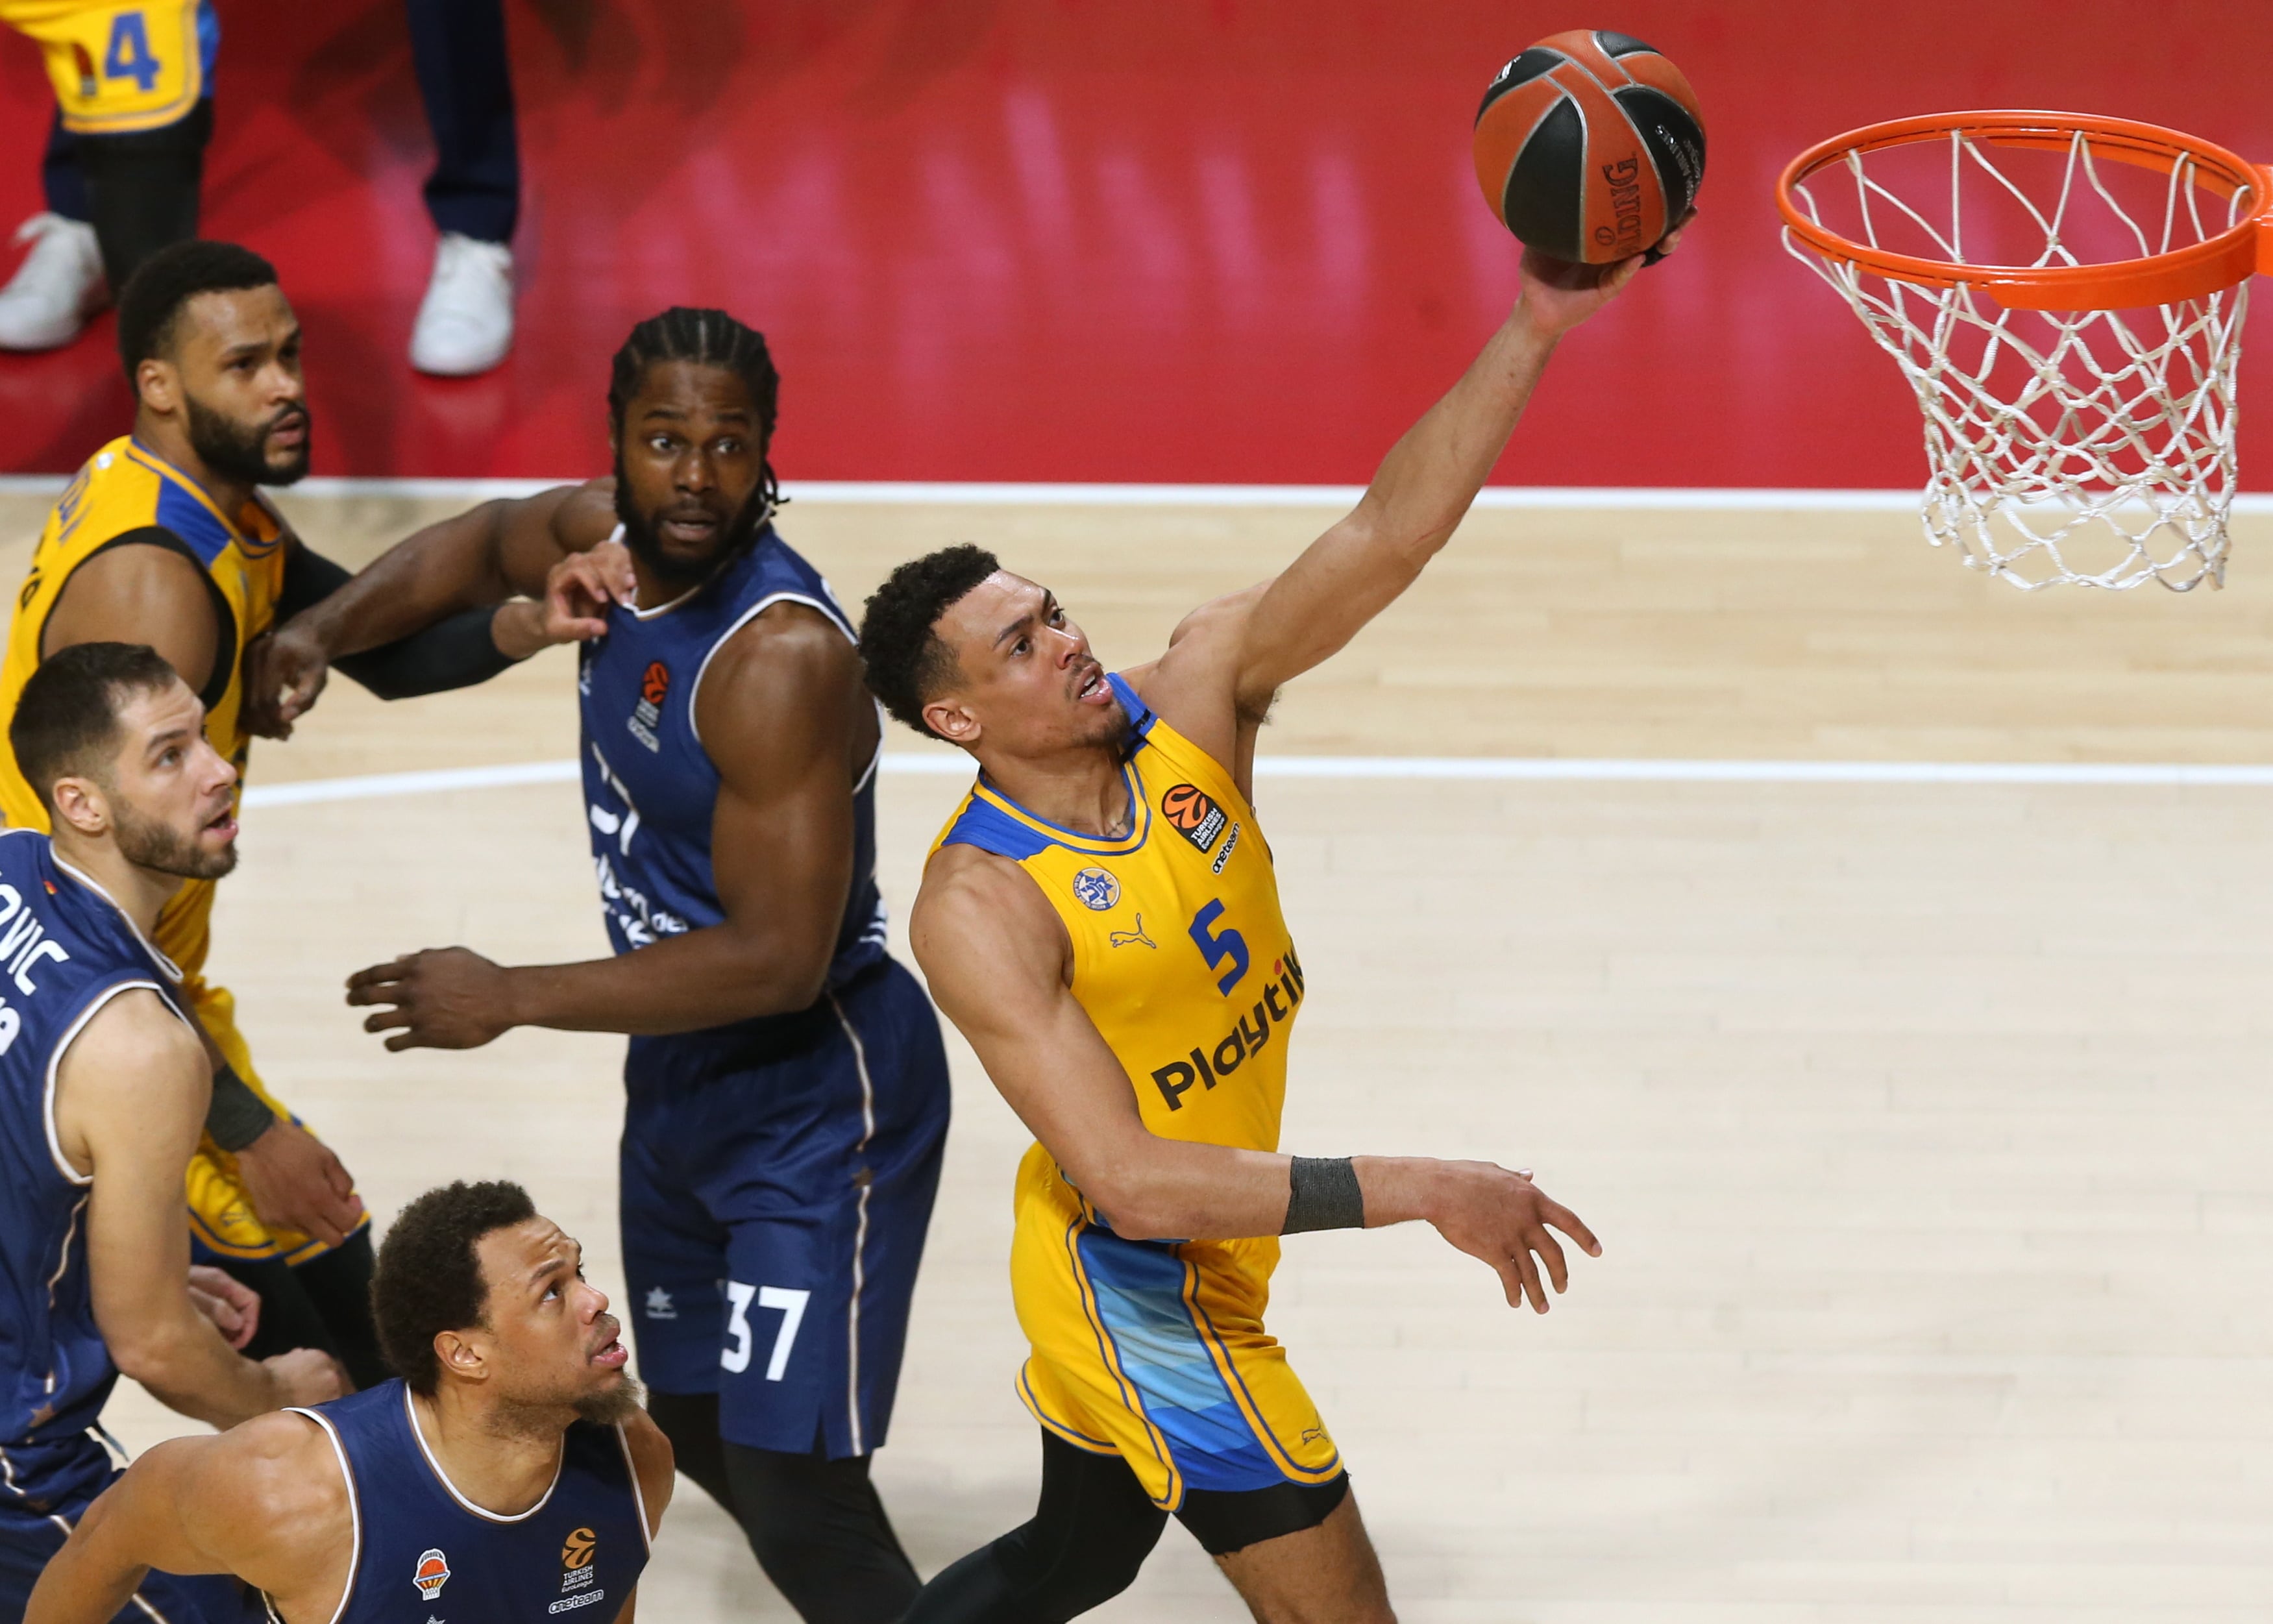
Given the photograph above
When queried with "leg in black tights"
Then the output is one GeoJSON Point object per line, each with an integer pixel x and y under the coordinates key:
{"type": "Point", "coordinates": [324, 1303]}
{"type": "Point", "coordinates": [142, 189]}
{"type": "Point", "coordinates": [815, 1525]}
{"type": "Point", "coordinates": [1091, 1532]}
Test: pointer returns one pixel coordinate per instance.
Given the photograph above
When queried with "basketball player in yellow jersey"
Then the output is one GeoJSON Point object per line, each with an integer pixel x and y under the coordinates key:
{"type": "Point", "coordinates": [163, 538]}
{"type": "Point", "coordinates": [1101, 920]}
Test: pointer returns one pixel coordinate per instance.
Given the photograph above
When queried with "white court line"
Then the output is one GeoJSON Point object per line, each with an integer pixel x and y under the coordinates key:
{"type": "Point", "coordinates": [1409, 768]}
{"type": "Point", "coordinates": [828, 492]}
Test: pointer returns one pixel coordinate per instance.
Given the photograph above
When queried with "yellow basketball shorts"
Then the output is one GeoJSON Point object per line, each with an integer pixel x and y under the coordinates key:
{"type": "Point", "coordinates": [222, 1219]}
{"type": "Point", "coordinates": [121, 65]}
{"type": "Point", "coordinates": [1156, 1352]}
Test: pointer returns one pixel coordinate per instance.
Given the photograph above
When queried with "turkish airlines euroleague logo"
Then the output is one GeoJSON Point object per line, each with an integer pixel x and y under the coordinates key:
{"type": "Point", "coordinates": [1192, 812]}
{"type": "Point", "coordinates": [654, 685]}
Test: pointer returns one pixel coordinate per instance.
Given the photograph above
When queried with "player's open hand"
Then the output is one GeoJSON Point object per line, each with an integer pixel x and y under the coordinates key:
{"type": "Point", "coordinates": [233, 1306]}
{"type": "Point", "coordinates": [295, 1181]}
{"type": "Point", "coordinates": [1507, 1220]}
{"type": "Point", "coordinates": [1557, 294]}
{"type": "Point", "coordinates": [284, 672]}
{"type": "Point", "coordinates": [445, 997]}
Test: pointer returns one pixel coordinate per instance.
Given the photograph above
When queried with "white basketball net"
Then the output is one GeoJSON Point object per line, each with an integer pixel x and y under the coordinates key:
{"type": "Point", "coordinates": [2091, 447]}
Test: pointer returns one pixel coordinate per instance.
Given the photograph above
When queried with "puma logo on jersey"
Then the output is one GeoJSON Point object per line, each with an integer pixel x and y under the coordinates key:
{"type": "Point", "coordinates": [1124, 938]}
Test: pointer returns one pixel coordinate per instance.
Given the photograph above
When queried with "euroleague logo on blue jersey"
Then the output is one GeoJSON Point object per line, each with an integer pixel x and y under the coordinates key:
{"type": "Point", "coordinates": [655, 686]}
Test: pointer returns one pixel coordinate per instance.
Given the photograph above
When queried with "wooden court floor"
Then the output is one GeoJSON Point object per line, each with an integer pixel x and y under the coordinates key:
{"type": "Point", "coordinates": [1926, 1126]}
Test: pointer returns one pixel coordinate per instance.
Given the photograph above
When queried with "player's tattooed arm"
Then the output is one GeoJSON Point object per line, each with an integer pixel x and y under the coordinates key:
{"type": "Point", "coordinates": [1230, 658]}
{"type": "Point", "coordinates": [996, 957]}
{"type": "Point", "coordinates": [784, 716]}
{"type": "Point", "coordinates": [266, 1502]}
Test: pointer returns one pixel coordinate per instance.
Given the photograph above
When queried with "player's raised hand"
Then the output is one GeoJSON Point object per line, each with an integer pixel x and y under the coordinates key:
{"type": "Point", "coordinates": [445, 997]}
{"type": "Point", "coordinates": [578, 591]}
{"type": "Point", "coordinates": [1508, 1221]}
{"type": "Point", "coordinates": [1558, 293]}
{"type": "Point", "coordinates": [233, 1306]}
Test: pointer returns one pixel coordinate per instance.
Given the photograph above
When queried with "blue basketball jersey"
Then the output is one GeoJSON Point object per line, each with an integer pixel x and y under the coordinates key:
{"type": "Point", "coordinates": [66, 950]}
{"type": "Point", "coordinates": [649, 783]}
{"type": "Point", "coordinates": [424, 1551]}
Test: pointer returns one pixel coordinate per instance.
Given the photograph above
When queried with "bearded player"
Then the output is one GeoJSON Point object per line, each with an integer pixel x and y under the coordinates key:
{"type": "Point", "coordinates": [788, 1090]}
{"type": "Point", "coordinates": [1101, 920]}
{"type": "Point", "coordinates": [510, 1474]}
{"type": "Point", "coordinates": [103, 1082]}
{"type": "Point", "coordinates": [164, 538]}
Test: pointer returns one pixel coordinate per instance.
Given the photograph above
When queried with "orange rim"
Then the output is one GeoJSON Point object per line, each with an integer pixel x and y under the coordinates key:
{"type": "Point", "coordinates": [2194, 271]}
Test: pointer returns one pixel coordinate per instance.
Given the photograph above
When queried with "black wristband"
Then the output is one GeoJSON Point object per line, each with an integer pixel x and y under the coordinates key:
{"type": "Point", "coordinates": [1323, 1194]}
{"type": "Point", "coordinates": [237, 1116]}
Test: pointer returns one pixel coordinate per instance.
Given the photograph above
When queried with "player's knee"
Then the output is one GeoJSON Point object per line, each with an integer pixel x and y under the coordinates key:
{"type": "Point", "coordinates": [1059, 1570]}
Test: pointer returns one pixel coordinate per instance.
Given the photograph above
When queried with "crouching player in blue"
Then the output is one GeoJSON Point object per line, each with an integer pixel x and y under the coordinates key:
{"type": "Point", "coordinates": [787, 1087]}
{"type": "Point", "coordinates": [104, 1080]}
{"type": "Point", "coordinates": [509, 1476]}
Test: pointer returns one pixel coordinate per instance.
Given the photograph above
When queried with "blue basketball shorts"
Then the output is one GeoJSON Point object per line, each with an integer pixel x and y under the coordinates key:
{"type": "Point", "coordinates": [776, 1193]}
{"type": "Point", "coordinates": [29, 1537]}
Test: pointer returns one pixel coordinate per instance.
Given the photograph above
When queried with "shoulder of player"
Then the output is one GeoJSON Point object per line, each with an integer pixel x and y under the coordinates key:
{"type": "Point", "coordinates": [653, 1463]}
{"type": "Point", "coordinates": [134, 1042]}
{"type": "Point", "coordinates": [790, 655]}
{"type": "Point", "coordinates": [977, 909]}
{"type": "Point", "coordinates": [267, 1495]}
{"type": "Point", "coordinates": [123, 1073]}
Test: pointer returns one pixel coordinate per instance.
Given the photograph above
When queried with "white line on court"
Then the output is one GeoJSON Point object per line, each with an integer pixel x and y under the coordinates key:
{"type": "Point", "coordinates": [826, 492]}
{"type": "Point", "coordinates": [1470, 768]}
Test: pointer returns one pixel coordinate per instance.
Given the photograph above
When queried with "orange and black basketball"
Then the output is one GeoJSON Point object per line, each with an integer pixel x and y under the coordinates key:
{"type": "Point", "coordinates": [1589, 145]}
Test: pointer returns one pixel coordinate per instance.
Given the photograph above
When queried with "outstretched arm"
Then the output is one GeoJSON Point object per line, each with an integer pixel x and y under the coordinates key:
{"type": "Point", "coordinates": [1230, 658]}
{"type": "Point", "coordinates": [995, 956]}
{"type": "Point", "coordinates": [784, 717]}
{"type": "Point", "coordinates": [477, 561]}
{"type": "Point", "coordinates": [266, 1502]}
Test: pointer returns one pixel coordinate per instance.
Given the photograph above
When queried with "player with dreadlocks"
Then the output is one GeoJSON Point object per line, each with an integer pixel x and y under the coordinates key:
{"type": "Point", "coordinates": [787, 1087]}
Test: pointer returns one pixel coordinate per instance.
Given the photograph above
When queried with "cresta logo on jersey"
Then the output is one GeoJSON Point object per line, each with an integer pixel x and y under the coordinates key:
{"type": "Point", "coordinates": [1192, 812]}
{"type": "Point", "coordinates": [654, 685]}
{"type": "Point", "coordinates": [433, 1573]}
{"type": "Point", "coordinates": [1095, 888]}
{"type": "Point", "coordinates": [1208, 1064]}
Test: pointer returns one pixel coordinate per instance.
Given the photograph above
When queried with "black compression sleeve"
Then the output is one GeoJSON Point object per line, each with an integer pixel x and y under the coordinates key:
{"type": "Point", "coordinates": [455, 652]}
{"type": "Point", "coordinates": [237, 1116]}
{"type": "Point", "coordinates": [1323, 1194]}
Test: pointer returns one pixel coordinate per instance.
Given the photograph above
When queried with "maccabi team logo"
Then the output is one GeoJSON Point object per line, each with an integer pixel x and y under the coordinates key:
{"type": "Point", "coordinates": [433, 1571]}
{"type": "Point", "coordinates": [1097, 889]}
{"type": "Point", "coordinates": [1193, 814]}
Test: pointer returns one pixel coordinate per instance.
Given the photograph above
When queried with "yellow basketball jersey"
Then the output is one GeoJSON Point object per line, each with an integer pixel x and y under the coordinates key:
{"type": "Point", "coordinates": [120, 65]}
{"type": "Point", "coordinates": [1156, 1350]}
{"type": "Point", "coordinates": [125, 491]}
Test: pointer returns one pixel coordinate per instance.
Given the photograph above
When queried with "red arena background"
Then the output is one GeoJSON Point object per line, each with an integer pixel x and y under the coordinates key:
{"type": "Point", "coordinates": [1184, 241]}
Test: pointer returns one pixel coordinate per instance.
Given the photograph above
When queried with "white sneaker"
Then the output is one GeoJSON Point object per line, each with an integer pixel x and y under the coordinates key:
{"type": "Point", "coordinates": [57, 288]}
{"type": "Point", "coordinates": [465, 322]}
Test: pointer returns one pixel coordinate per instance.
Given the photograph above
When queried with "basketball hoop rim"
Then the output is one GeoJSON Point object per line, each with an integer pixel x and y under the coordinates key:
{"type": "Point", "coordinates": [2194, 271]}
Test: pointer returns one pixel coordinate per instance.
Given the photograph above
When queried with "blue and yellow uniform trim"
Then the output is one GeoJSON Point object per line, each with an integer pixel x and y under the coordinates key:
{"type": "Point", "coordinates": [126, 492]}
{"type": "Point", "coordinates": [1155, 1351]}
{"type": "Point", "coordinates": [119, 66]}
